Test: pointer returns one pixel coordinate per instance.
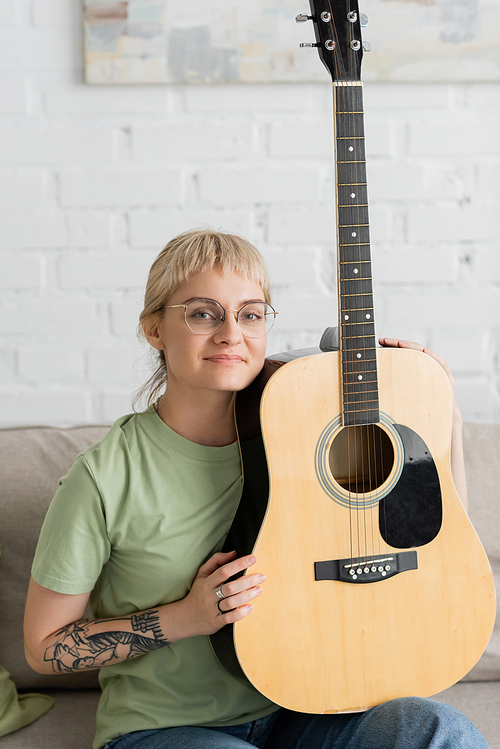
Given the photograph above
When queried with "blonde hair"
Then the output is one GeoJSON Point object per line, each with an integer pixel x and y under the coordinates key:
{"type": "Point", "coordinates": [192, 252]}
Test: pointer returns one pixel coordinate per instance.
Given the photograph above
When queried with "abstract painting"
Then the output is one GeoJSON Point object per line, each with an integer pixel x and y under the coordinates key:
{"type": "Point", "coordinates": [209, 41]}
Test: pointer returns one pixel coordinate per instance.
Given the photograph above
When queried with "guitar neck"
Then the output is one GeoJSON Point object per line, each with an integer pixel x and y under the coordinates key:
{"type": "Point", "coordinates": [356, 319]}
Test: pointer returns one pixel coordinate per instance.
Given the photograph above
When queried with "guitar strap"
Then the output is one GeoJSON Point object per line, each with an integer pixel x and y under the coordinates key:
{"type": "Point", "coordinates": [249, 516]}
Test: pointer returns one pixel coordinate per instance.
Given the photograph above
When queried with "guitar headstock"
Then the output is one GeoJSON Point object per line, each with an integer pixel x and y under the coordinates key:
{"type": "Point", "coordinates": [337, 27]}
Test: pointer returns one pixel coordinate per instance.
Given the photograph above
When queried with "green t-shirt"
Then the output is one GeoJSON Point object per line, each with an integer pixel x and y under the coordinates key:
{"type": "Point", "coordinates": [132, 521]}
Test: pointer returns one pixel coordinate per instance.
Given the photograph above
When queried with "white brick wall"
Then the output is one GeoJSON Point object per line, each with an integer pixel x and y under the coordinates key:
{"type": "Point", "coordinates": [95, 180]}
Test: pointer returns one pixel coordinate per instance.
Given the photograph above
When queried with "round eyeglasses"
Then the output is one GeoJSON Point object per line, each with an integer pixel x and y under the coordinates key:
{"type": "Point", "coordinates": [205, 316]}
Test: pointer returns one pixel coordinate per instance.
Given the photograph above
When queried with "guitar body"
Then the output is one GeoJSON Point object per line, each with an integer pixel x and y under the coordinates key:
{"type": "Point", "coordinates": [329, 645]}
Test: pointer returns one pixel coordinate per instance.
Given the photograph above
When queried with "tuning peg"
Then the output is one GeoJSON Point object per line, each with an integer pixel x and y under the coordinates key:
{"type": "Point", "coordinates": [367, 46]}
{"type": "Point", "coordinates": [363, 19]}
{"type": "Point", "coordinates": [303, 17]}
{"type": "Point", "coordinates": [309, 44]}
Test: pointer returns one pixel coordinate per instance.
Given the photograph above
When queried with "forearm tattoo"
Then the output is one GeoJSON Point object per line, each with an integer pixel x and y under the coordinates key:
{"type": "Point", "coordinates": [83, 645]}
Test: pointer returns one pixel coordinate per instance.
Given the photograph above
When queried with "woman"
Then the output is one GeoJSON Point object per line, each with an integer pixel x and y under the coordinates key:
{"type": "Point", "coordinates": [137, 524]}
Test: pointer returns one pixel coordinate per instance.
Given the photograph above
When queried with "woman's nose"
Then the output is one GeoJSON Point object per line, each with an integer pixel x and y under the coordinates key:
{"type": "Point", "coordinates": [229, 331]}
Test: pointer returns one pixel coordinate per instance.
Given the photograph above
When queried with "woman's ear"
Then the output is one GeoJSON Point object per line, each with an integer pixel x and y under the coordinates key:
{"type": "Point", "coordinates": [152, 334]}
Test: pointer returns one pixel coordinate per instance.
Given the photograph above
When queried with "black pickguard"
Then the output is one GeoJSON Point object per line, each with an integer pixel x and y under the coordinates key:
{"type": "Point", "coordinates": [411, 514]}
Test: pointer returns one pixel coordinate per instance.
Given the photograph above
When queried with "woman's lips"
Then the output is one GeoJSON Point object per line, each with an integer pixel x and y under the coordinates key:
{"type": "Point", "coordinates": [225, 359]}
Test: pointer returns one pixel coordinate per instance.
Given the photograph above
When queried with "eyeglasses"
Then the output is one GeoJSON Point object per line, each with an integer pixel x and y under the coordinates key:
{"type": "Point", "coordinates": [205, 316]}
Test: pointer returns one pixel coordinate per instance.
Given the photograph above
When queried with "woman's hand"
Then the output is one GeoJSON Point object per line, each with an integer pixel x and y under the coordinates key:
{"type": "Point", "coordinates": [54, 628]}
{"type": "Point", "coordinates": [203, 611]}
{"type": "Point", "coordinates": [398, 343]}
{"type": "Point", "coordinates": [457, 454]}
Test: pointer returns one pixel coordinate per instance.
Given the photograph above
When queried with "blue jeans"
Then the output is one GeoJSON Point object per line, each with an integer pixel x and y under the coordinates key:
{"type": "Point", "coordinates": [407, 723]}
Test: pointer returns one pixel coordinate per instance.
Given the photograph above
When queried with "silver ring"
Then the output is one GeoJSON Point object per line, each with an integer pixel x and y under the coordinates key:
{"type": "Point", "coordinates": [220, 595]}
{"type": "Point", "coordinates": [220, 610]}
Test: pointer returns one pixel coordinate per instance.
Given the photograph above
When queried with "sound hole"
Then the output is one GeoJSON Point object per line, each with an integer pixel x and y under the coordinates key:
{"type": "Point", "coordinates": [361, 458]}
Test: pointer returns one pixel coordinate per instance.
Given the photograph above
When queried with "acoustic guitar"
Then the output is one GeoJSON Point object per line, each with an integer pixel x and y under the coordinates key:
{"type": "Point", "coordinates": [377, 584]}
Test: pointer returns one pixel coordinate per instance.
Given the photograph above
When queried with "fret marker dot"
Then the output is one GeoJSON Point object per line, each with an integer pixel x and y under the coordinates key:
{"type": "Point", "coordinates": [358, 356]}
{"type": "Point", "coordinates": [367, 317]}
{"type": "Point", "coordinates": [351, 148]}
{"type": "Point", "coordinates": [346, 317]}
{"type": "Point", "coordinates": [360, 377]}
{"type": "Point", "coordinates": [353, 234]}
{"type": "Point", "coordinates": [353, 194]}
{"type": "Point", "coordinates": [355, 271]}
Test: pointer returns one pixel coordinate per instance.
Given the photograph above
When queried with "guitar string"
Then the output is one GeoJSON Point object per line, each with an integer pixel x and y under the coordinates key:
{"type": "Point", "coordinates": [365, 396]}
{"type": "Point", "coordinates": [346, 95]}
{"type": "Point", "coordinates": [370, 428]}
{"type": "Point", "coordinates": [361, 468]}
{"type": "Point", "coordinates": [350, 101]}
{"type": "Point", "coordinates": [340, 75]}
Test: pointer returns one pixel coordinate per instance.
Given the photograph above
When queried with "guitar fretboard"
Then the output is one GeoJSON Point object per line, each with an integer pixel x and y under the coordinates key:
{"type": "Point", "coordinates": [356, 320]}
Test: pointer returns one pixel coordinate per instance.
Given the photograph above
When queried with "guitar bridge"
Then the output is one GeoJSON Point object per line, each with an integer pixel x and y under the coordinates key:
{"type": "Point", "coordinates": [369, 569]}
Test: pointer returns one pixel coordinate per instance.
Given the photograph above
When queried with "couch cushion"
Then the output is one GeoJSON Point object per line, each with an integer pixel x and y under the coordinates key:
{"type": "Point", "coordinates": [482, 448]}
{"type": "Point", "coordinates": [31, 462]}
{"type": "Point", "coordinates": [33, 459]}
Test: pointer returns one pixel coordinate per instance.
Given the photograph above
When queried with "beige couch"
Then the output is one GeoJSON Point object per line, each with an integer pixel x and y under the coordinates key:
{"type": "Point", "coordinates": [32, 460]}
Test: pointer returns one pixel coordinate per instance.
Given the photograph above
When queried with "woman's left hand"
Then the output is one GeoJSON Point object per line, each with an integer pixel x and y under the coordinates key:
{"type": "Point", "coordinates": [398, 343]}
